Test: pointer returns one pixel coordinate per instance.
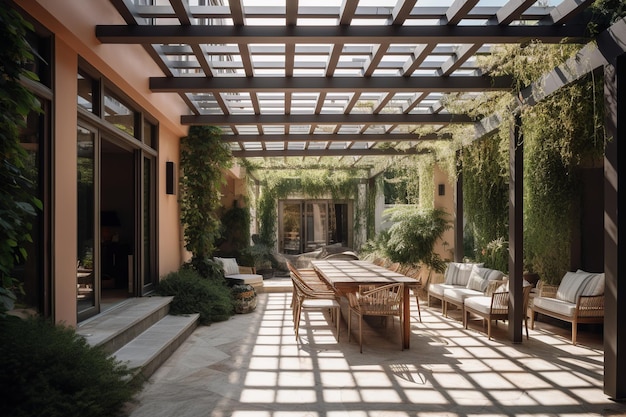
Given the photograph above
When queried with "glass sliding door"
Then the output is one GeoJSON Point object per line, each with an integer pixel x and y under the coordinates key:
{"type": "Point", "coordinates": [291, 227]}
{"type": "Point", "coordinates": [87, 292]}
{"type": "Point", "coordinates": [316, 225]}
{"type": "Point", "coordinates": [307, 225]}
{"type": "Point", "coordinates": [148, 222]}
{"type": "Point", "coordinates": [338, 224]}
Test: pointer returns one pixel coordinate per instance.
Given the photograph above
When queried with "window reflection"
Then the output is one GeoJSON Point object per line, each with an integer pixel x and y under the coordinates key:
{"type": "Point", "coordinates": [118, 113]}
{"type": "Point", "coordinates": [85, 192]}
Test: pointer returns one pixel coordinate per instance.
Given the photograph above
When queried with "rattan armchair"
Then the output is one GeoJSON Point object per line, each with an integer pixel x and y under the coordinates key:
{"type": "Point", "coordinates": [493, 308]}
{"type": "Point", "coordinates": [383, 301]}
{"type": "Point", "coordinates": [586, 309]}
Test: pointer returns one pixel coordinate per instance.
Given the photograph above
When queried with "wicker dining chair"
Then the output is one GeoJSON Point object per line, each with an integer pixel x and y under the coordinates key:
{"type": "Point", "coordinates": [382, 301]}
{"type": "Point", "coordinates": [307, 298]}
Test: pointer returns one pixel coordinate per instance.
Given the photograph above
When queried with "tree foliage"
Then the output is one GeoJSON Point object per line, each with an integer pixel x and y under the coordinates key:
{"type": "Point", "coordinates": [413, 234]}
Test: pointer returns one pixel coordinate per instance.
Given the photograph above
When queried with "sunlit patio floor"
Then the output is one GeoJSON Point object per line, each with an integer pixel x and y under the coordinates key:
{"type": "Point", "coordinates": [252, 366]}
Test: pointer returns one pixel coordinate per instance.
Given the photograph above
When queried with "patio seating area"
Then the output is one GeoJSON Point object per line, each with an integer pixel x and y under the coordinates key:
{"type": "Point", "coordinates": [251, 365]}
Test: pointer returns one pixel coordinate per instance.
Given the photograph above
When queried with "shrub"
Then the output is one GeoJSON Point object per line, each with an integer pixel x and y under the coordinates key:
{"type": "Point", "coordinates": [413, 235]}
{"type": "Point", "coordinates": [192, 293]}
{"type": "Point", "coordinates": [49, 370]}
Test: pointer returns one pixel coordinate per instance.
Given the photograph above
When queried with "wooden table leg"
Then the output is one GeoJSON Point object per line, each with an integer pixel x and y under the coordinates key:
{"type": "Point", "coordinates": [406, 325]}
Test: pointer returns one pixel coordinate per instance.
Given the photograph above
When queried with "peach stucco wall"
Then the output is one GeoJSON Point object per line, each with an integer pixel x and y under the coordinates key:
{"type": "Point", "coordinates": [127, 66]}
{"type": "Point", "coordinates": [64, 186]}
{"type": "Point", "coordinates": [445, 247]}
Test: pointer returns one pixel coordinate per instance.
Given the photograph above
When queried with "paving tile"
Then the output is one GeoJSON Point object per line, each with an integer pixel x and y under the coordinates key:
{"type": "Point", "coordinates": [251, 365]}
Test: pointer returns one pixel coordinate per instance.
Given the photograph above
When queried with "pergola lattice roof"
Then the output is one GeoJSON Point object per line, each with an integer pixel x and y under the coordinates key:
{"type": "Point", "coordinates": [320, 78]}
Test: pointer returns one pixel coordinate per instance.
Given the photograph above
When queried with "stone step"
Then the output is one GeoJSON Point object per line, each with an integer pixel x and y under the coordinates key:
{"type": "Point", "coordinates": [139, 332]}
{"type": "Point", "coordinates": [118, 325]}
{"type": "Point", "coordinates": [148, 351]}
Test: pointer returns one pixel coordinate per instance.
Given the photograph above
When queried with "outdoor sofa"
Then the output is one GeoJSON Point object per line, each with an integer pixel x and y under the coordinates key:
{"type": "Point", "coordinates": [462, 280]}
{"type": "Point", "coordinates": [579, 298]}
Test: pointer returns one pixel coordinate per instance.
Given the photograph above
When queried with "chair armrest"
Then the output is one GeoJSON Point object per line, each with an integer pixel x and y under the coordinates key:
{"type": "Point", "coordinates": [546, 290]}
{"type": "Point", "coordinates": [353, 299]}
{"type": "Point", "coordinates": [492, 286]}
{"type": "Point", "coordinates": [590, 306]}
{"type": "Point", "coordinates": [247, 270]}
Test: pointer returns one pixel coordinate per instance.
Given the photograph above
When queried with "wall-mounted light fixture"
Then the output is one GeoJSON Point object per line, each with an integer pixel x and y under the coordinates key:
{"type": "Point", "coordinates": [169, 178]}
{"type": "Point", "coordinates": [442, 189]}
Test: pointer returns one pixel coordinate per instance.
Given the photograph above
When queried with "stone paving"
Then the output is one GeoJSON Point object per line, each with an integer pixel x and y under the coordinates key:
{"type": "Point", "coordinates": [252, 366]}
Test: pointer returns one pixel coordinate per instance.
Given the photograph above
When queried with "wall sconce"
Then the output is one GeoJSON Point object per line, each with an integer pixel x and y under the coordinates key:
{"type": "Point", "coordinates": [169, 178]}
{"type": "Point", "coordinates": [442, 189]}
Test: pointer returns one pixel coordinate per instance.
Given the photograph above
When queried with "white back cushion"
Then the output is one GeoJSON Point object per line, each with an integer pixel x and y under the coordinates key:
{"type": "Point", "coordinates": [229, 264]}
{"type": "Point", "coordinates": [480, 277]}
{"type": "Point", "coordinates": [458, 273]}
{"type": "Point", "coordinates": [575, 284]}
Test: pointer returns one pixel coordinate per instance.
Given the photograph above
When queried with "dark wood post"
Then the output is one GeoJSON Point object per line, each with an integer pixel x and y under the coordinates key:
{"type": "Point", "coordinates": [516, 230]}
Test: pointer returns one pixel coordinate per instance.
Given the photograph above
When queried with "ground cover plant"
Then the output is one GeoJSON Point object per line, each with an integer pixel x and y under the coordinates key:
{"type": "Point", "coordinates": [194, 293]}
{"type": "Point", "coordinates": [50, 371]}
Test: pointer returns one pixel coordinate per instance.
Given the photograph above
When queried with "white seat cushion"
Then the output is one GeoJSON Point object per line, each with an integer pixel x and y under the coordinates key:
{"type": "Point", "coordinates": [319, 303]}
{"type": "Point", "coordinates": [253, 279]}
{"type": "Point", "coordinates": [564, 308]}
{"type": "Point", "coordinates": [438, 289]}
{"type": "Point", "coordinates": [458, 295]}
{"type": "Point", "coordinates": [482, 304]}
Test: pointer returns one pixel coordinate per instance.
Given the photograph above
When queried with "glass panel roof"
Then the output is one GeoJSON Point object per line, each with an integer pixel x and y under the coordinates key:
{"type": "Point", "coordinates": [262, 69]}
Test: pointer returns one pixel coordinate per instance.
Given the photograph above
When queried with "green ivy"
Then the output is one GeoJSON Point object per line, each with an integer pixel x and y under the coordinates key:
{"type": "Point", "coordinates": [313, 183]}
{"type": "Point", "coordinates": [203, 157]}
{"type": "Point", "coordinates": [17, 204]}
{"type": "Point", "coordinates": [485, 192]}
{"type": "Point", "coordinates": [561, 135]}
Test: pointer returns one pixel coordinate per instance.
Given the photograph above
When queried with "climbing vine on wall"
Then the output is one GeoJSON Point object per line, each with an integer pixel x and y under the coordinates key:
{"type": "Point", "coordinates": [561, 135]}
{"type": "Point", "coordinates": [203, 157]}
{"type": "Point", "coordinates": [485, 192]}
{"type": "Point", "coordinates": [17, 204]}
{"type": "Point", "coordinates": [312, 183]}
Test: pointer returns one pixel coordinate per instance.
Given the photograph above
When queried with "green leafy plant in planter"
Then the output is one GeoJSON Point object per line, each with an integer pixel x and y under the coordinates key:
{"type": "Point", "coordinates": [261, 256]}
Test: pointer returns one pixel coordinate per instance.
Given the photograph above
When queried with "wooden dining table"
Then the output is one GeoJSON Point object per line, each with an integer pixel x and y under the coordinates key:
{"type": "Point", "coordinates": [346, 276]}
